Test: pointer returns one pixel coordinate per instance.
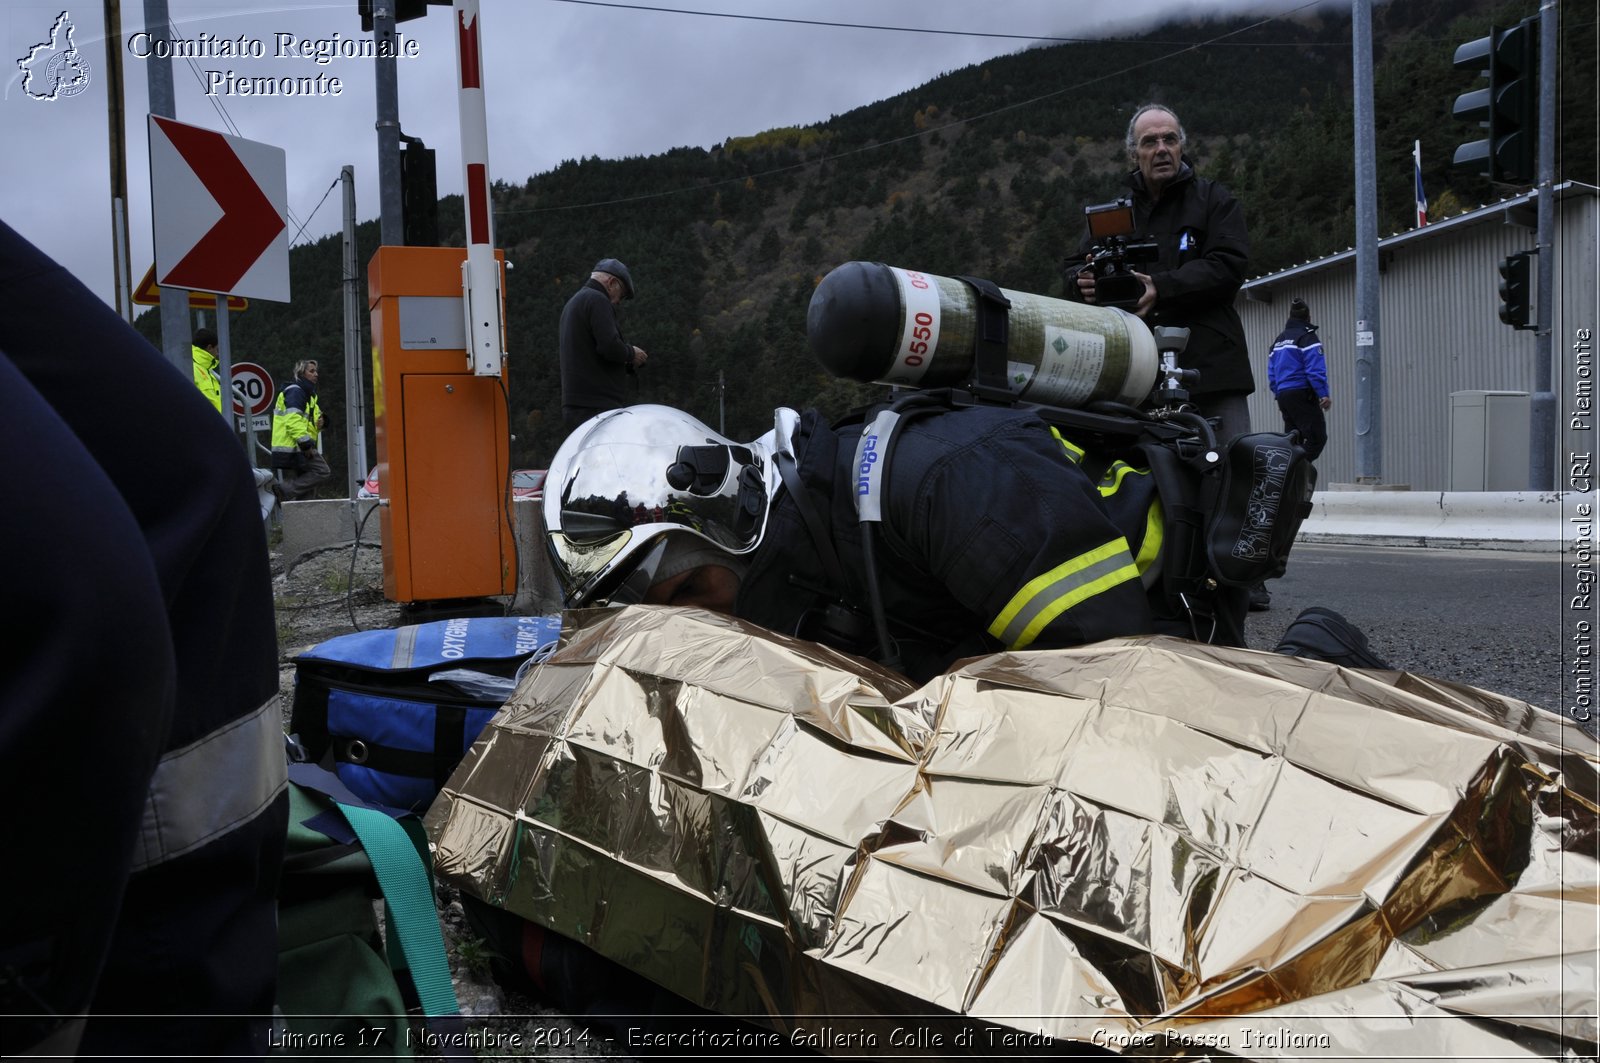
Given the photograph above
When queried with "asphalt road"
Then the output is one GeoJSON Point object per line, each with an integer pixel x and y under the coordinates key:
{"type": "Point", "coordinates": [1491, 619]}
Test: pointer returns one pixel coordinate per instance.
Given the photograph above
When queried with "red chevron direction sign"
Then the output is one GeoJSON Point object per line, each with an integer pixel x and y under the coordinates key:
{"type": "Point", "coordinates": [218, 204]}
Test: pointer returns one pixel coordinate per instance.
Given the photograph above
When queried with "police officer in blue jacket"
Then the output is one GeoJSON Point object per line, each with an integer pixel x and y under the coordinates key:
{"type": "Point", "coordinates": [1298, 376]}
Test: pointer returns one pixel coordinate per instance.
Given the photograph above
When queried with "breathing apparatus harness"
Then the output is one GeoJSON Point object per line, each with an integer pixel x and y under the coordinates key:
{"type": "Point", "coordinates": [1230, 513]}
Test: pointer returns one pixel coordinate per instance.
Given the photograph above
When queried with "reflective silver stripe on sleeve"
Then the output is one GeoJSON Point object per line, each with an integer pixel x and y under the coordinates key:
{"type": "Point", "coordinates": [212, 785]}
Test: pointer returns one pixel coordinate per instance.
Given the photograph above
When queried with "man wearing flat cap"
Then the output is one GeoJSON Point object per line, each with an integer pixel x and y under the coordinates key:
{"type": "Point", "coordinates": [595, 359]}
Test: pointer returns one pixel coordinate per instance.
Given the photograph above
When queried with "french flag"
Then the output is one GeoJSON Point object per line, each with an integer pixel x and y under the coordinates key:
{"type": "Point", "coordinates": [1422, 200]}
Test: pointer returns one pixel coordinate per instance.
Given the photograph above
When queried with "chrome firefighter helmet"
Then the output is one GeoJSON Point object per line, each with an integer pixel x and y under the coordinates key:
{"type": "Point", "coordinates": [627, 483]}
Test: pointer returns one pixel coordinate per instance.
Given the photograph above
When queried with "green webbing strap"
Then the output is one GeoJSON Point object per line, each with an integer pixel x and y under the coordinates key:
{"type": "Point", "coordinates": [409, 895]}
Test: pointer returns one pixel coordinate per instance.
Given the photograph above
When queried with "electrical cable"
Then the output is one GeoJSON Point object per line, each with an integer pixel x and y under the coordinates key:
{"type": "Point", "coordinates": [832, 25]}
{"type": "Point", "coordinates": [350, 579]}
{"type": "Point", "coordinates": [509, 500]}
{"type": "Point", "coordinates": [879, 145]}
{"type": "Point", "coordinates": [314, 210]}
{"type": "Point", "coordinates": [302, 606]}
{"type": "Point", "coordinates": [233, 127]}
{"type": "Point", "coordinates": [919, 29]}
{"type": "Point", "coordinates": [216, 102]}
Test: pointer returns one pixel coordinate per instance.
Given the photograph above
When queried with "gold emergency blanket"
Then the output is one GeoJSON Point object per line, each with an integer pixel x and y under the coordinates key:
{"type": "Point", "coordinates": [1150, 845]}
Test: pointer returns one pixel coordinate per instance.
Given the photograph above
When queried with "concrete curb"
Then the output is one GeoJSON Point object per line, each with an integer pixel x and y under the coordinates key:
{"type": "Point", "coordinates": [1493, 520]}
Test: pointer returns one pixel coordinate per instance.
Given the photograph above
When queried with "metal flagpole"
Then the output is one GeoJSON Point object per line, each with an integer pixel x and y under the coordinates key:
{"type": "Point", "coordinates": [176, 336]}
{"type": "Point", "coordinates": [354, 390]}
{"type": "Point", "coordinates": [1422, 200]}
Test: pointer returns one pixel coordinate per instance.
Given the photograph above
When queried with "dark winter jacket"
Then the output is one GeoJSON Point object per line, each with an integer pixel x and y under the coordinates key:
{"type": "Point", "coordinates": [997, 533]}
{"type": "Point", "coordinates": [139, 698]}
{"type": "Point", "coordinates": [595, 359]}
{"type": "Point", "coordinates": [1203, 248]}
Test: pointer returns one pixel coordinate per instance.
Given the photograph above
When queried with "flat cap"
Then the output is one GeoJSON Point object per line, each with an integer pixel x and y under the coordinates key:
{"type": "Point", "coordinates": [619, 271]}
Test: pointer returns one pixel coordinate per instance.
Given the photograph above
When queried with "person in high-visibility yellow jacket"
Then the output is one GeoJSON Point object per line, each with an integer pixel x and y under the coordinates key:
{"type": "Point", "coordinates": [297, 424]}
{"type": "Point", "coordinates": [206, 362]}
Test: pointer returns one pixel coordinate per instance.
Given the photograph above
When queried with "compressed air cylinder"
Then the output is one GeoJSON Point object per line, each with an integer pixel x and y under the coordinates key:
{"type": "Point", "coordinates": [884, 324]}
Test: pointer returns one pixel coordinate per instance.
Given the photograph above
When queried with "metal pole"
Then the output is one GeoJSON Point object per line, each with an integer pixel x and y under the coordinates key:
{"type": "Point", "coordinates": [175, 334]}
{"type": "Point", "coordinates": [119, 250]}
{"type": "Point", "coordinates": [1542, 412]}
{"type": "Point", "coordinates": [354, 391]}
{"type": "Point", "coordinates": [1369, 366]}
{"type": "Point", "coordinates": [117, 130]}
{"type": "Point", "coordinates": [722, 390]}
{"type": "Point", "coordinates": [391, 225]}
{"type": "Point", "coordinates": [225, 372]}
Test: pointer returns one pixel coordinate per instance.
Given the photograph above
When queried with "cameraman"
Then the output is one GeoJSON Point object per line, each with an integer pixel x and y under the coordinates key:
{"type": "Point", "coordinates": [1202, 247]}
{"type": "Point", "coordinates": [1201, 251]}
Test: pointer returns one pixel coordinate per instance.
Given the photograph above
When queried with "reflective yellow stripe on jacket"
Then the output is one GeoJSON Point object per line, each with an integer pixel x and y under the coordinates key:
{"type": "Point", "coordinates": [1075, 453]}
{"type": "Point", "coordinates": [1110, 483]}
{"type": "Point", "coordinates": [1150, 545]}
{"type": "Point", "coordinates": [1046, 597]}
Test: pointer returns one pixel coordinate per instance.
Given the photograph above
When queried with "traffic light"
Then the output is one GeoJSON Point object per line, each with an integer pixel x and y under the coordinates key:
{"type": "Point", "coordinates": [404, 10]}
{"type": "Point", "coordinates": [1508, 108]}
{"type": "Point", "coordinates": [419, 196]}
{"type": "Point", "coordinates": [1514, 289]}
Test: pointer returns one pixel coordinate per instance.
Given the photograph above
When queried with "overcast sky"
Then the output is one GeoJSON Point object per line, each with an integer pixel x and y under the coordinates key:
{"type": "Point", "coordinates": [563, 80]}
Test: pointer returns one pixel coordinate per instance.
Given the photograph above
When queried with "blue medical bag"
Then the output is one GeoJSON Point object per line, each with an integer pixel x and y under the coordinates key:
{"type": "Point", "coordinates": [392, 711]}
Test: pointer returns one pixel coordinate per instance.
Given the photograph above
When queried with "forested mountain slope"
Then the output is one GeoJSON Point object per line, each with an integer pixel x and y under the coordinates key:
{"type": "Point", "coordinates": [984, 171]}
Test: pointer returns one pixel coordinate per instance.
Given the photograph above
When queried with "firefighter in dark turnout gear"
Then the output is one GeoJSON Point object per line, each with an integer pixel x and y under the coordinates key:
{"type": "Point", "coordinates": [997, 531]}
{"type": "Point", "coordinates": [141, 743]}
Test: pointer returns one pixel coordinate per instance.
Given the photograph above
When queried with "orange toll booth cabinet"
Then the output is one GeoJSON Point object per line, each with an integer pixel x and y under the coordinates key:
{"type": "Point", "coordinates": [443, 435]}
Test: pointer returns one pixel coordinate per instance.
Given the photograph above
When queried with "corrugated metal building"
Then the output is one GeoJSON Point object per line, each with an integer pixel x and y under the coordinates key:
{"type": "Point", "coordinates": [1439, 332]}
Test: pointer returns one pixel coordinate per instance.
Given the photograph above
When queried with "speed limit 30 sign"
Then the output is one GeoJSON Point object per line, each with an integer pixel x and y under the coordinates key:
{"type": "Point", "coordinates": [252, 389]}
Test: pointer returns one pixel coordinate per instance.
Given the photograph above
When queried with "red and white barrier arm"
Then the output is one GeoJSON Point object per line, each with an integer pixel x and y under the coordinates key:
{"type": "Point", "coordinates": [480, 277]}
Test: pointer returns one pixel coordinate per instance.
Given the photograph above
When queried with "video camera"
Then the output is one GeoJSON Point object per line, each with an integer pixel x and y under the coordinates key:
{"type": "Point", "coordinates": [1112, 258]}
